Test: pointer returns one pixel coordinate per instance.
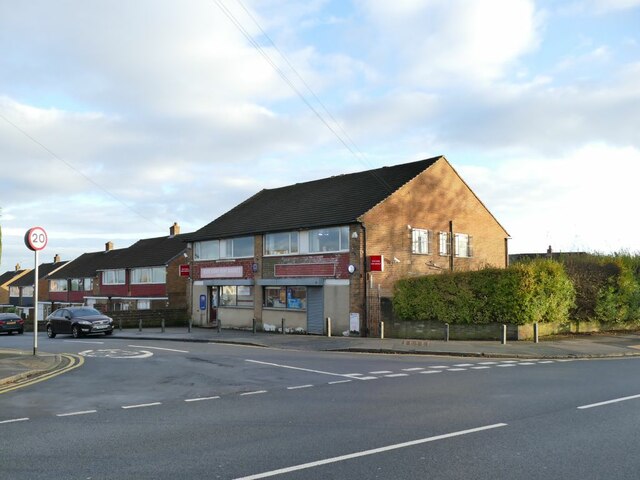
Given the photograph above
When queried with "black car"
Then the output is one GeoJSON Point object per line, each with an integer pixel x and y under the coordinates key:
{"type": "Point", "coordinates": [78, 321]}
{"type": "Point", "coordinates": [10, 322]}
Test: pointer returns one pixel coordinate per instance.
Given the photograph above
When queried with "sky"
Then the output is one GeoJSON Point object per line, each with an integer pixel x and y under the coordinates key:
{"type": "Point", "coordinates": [119, 118]}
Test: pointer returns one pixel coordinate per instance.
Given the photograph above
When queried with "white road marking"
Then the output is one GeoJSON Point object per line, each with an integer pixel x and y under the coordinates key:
{"type": "Point", "coordinates": [615, 400]}
{"type": "Point", "coordinates": [565, 360]}
{"type": "Point", "coordinates": [506, 365]}
{"type": "Point", "coordinates": [83, 341]}
{"type": "Point", "coordinates": [526, 363]}
{"type": "Point", "coordinates": [15, 420]}
{"type": "Point", "coordinates": [479, 368]}
{"type": "Point", "coordinates": [71, 414]}
{"type": "Point", "coordinates": [257, 392]}
{"type": "Point", "coordinates": [508, 361]}
{"type": "Point", "coordinates": [395, 375]}
{"type": "Point", "coordinates": [414, 369]}
{"type": "Point", "coordinates": [547, 361]}
{"type": "Point", "coordinates": [351, 375]}
{"type": "Point", "coordinates": [487, 363]}
{"type": "Point", "coordinates": [366, 378]}
{"type": "Point", "coordinates": [431, 371]}
{"type": "Point", "coordinates": [299, 387]}
{"type": "Point", "coordinates": [142, 405]}
{"type": "Point", "coordinates": [200, 399]}
{"type": "Point", "coordinates": [380, 372]}
{"type": "Point", "coordinates": [373, 451]}
{"type": "Point", "coordinates": [464, 365]}
{"type": "Point", "coordinates": [116, 353]}
{"type": "Point", "coordinates": [340, 381]}
{"type": "Point", "coordinates": [158, 348]}
{"type": "Point", "coordinates": [439, 366]}
{"type": "Point", "coordinates": [455, 369]}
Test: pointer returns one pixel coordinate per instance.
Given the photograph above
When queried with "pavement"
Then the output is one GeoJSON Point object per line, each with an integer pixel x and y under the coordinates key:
{"type": "Point", "coordinates": [16, 365]}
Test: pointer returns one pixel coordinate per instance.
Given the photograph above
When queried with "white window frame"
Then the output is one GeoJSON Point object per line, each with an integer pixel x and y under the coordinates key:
{"type": "Point", "coordinates": [219, 249]}
{"type": "Point", "coordinates": [112, 277]}
{"type": "Point", "coordinates": [27, 291]}
{"type": "Point", "coordinates": [155, 275]}
{"type": "Point", "coordinates": [207, 250]}
{"type": "Point", "coordinates": [462, 245]}
{"type": "Point", "coordinates": [343, 239]}
{"type": "Point", "coordinates": [293, 238]}
{"type": "Point", "coordinates": [444, 244]}
{"type": "Point", "coordinates": [420, 241]}
{"type": "Point", "coordinates": [143, 305]}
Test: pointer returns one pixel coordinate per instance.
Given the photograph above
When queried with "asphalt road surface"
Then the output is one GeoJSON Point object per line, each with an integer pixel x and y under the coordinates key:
{"type": "Point", "coordinates": [167, 410]}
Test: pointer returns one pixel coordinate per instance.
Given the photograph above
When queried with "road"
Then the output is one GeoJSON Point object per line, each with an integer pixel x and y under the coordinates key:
{"type": "Point", "coordinates": [156, 410]}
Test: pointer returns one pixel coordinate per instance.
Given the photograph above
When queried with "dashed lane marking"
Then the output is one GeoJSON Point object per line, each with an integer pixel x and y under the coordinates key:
{"type": "Point", "coordinates": [257, 392]}
{"type": "Point", "coordinates": [14, 420]}
{"type": "Point", "coordinates": [456, 369]}
{"type": "Point", "coordinates": [480, 368]}
{"type": "Point", "coordinates": [202, 399]}
{"type": "Point", "coordinates": [414, 369]}
{"type": "Point", "coordinates": [431, 371]}
{"type": "Point", "coordinates": [339, 381]}
{"type": "Point", "coordinates": [464, 365]}
{"type": "Point", "coordinates": [506, 365]}
{"type": "Point", "coordinates": [380, 372]}
{"type": "Point", "coordinates": [396, 375]}
{"type": "Point", "coordinates": [72, 414]}
{"type": "Point", "coordinates": [298, 387]}
{"type": "Point", "coordinates": [142, 405]}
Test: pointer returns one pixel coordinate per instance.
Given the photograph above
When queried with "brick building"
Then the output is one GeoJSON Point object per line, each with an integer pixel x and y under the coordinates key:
{"type": "Point", "coordinates": [144, 276]}
{"type": "Point", "coordinates": [332, 247]}
{"type": "Point", "coordinates": [5, 281]}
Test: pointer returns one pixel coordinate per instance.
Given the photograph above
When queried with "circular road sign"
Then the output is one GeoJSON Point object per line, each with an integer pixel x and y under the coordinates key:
{"type": "Point", "coordinates": [35, 239]}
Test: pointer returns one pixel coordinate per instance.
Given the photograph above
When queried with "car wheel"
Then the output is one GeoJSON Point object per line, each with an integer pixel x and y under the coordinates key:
{"type": "Point", "coordinates": [50, 332]}
{"type": "Point", "coordinates": [108, 333]}
{"type": "Point", "coordinates": [75, 331]}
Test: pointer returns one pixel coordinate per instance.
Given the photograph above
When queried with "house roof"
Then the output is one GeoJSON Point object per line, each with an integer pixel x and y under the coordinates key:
{"type": "Point", "coordinates": [148, 252]}
{"type": "Point", "coordinates": [329, 201]}
{"type": "Point", "coordinates": [44, 269]}
{"type": "Point", "coordinates": [6, 277]}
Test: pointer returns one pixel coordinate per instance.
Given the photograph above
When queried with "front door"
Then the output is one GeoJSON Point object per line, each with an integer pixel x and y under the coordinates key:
{"type": "Point", "coordinates": [213, 305]}
{"type": "Point", "coordinates": [315, 310]}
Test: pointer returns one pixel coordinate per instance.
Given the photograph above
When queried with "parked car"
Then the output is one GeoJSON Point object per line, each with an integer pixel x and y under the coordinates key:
{"type": "Point", "coordinates": [10, 322]}
{"type": "Point", "coordinates": [78, 321]}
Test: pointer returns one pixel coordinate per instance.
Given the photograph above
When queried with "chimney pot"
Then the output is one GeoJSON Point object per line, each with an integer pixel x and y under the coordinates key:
{"type": "Point", "coordinates": [174, 229]}
{"type": "Point", "coordinates": [18, 267]}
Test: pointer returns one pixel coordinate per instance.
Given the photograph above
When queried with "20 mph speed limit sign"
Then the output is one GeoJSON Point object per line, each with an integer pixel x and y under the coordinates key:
{"type": "Point", "coordinates": [35, 239]}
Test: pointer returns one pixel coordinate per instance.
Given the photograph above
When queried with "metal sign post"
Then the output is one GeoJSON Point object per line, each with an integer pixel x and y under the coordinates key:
{"type": "Point", "coordinates": [35, 239]}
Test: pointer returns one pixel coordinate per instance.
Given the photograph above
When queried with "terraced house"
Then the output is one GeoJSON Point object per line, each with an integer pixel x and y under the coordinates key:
{"type": "Point", "coordinates": [332, 247]}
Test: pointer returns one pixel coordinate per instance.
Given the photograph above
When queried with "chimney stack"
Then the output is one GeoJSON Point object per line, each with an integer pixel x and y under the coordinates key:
{"type": "Point", "coordinates": [56, 259]}
{"type": "Point", "coordinates": [18, 267]}
{"type": "Point", "coordinates": [108, 246]}
{"type": "Point", "coordinates": [174, 229]}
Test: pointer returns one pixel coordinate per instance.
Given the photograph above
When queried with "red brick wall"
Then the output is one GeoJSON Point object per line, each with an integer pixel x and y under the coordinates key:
{"type": "Point", "coordinates": [429, 201]}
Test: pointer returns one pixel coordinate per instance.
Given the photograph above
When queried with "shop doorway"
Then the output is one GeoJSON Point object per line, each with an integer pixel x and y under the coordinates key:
{"type": "Point", "coordinates": [213, 306]}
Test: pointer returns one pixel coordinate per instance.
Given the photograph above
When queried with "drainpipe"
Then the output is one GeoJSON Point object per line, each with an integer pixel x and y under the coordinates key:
{"type": "Point", "coordinates": [365, 280]}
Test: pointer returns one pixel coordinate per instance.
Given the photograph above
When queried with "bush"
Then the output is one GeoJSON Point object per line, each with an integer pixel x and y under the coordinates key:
{"type": "Point", "coordinates": [537, 291]}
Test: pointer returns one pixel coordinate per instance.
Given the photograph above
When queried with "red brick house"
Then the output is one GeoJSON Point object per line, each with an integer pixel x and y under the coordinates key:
{"type": "Point", "coordinates": [143, 276]}
{"type": "Point", "coordinates": [331, 247]}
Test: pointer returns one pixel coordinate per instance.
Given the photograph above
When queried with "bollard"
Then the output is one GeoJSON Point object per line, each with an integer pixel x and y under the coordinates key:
{"type": "Point", "coordinates": [328, 326]}
{"type": "Point", "coordinates": [254, 326]}
{"type": "Point", "coordinates": [382, 330]}
{"type": "Point", "coordinates": [535, 332]}
{"type": "Point", "coordinates": [162, 325]}
{"type": "Point", "coordinates": [219, 324]}
{"type": "Point", "coordinates": [120, 324]}
{"type": "Point", "coordinates": [283, 326]}
{"type": "Point", "coordinates": [504, 335]}
{"type": "Point", "coordinates": [140, 325]}
{"type": "Point", "coordinates": [446, 332]}
{"type": "Point", "coordinates": [189, 326]}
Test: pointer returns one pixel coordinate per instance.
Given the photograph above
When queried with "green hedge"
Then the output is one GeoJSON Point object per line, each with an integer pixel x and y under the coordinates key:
{"type": "Point", "coordinates": [537, 291]}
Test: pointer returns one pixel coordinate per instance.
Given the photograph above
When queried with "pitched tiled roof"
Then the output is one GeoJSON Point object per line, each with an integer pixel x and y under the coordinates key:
{"type": "Point", "coordinates": [335, 200]}
{"type": "Point", "coordinates": [7, 276]}
{"type": "Point", "coordinates": [148, 252]}
{"type": "Point", "coordinates": [43, 270]}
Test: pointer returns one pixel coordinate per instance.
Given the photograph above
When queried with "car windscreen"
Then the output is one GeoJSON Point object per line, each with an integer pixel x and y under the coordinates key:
{"type": "Point", "coordinates": [84, 312]}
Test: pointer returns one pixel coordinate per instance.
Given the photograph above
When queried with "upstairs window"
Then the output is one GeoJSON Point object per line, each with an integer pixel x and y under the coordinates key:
{"type": "Point", "coordinates": [27, 291]}
{"type": "Point", "coordinates": [462, 245]}
{"type": "Point", "coordinates": [14, 291]}
{"type": "Point", "coordinates": [81, 284]}
{"type": "Point", "coordinates": [113, 277]}
{"type": "Point", "coordinates": [444, 244]}
{"type": "Point", "coordinates": [209, 250]}
{"type": "Point", "coordinates": [282, 243]}
{"type": "Point", "coordinates": [334, 239]}
{"type": "Point", "coordinates": [149, 275]}
{"type": "Point", "coordinates": [58, 285]}
{"type": "Point", "coordinates": [239, 247]}
{"type": "Point", "coordinates": [420, 241]}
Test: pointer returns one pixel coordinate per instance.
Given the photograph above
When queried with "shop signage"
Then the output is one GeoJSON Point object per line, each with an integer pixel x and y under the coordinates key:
{"type": "Point", "coordinates": [185, 270]}
{"type": "Point", "coordinates": [376, 263]}
{"type": "Point", "coordinates": [221, 272]}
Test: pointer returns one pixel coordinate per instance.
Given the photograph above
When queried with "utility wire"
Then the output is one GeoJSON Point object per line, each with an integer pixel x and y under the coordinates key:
{"type": "Point", "coordinates": [286, 79]}
{"type": "Point", "coordinates": [79, 172]}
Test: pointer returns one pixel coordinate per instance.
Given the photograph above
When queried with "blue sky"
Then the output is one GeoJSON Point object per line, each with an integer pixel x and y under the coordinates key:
{"type": "Point", "coordinates": [119, 118]}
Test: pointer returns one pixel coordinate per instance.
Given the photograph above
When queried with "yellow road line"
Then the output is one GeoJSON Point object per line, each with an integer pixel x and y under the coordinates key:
{"type": "Point", "coordinates": [75, 361]}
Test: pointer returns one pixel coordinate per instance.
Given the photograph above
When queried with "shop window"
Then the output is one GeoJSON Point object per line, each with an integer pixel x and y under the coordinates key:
{"type": "Point", "coordinates": [236, 296]}
{"type": "Point", "coordinates": [293, 298]}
